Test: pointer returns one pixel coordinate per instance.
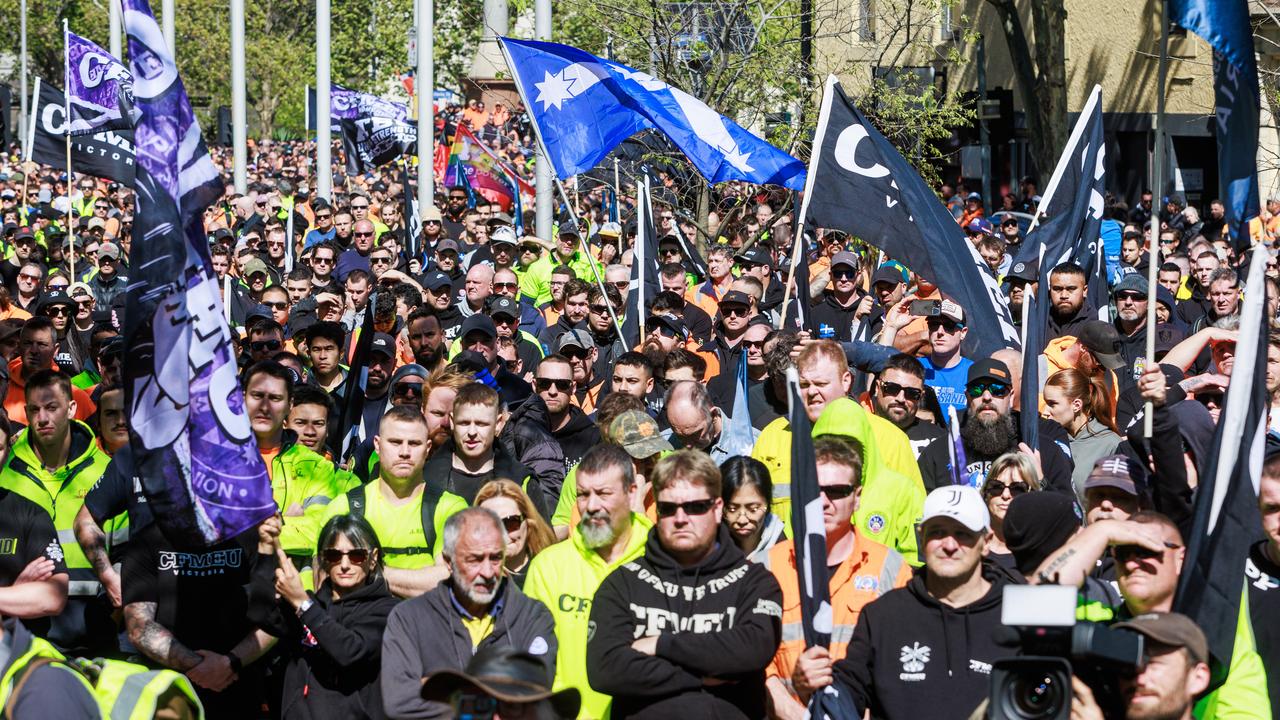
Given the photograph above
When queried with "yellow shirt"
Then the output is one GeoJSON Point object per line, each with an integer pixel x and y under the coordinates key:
{"type": "Point", "coordinates": [399, 527]}
{"type": "Point", "coordinates": [479, 628]}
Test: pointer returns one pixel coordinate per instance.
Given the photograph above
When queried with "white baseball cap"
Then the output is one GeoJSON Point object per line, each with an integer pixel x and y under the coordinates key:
{"type": "Point", "coordinates": [960, 503]}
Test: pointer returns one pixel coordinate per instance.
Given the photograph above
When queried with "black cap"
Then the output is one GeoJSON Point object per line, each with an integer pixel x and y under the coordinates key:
{"type": "Point", "coordinates": [56, 298]}
{"type": "Point", "coordinates": [671, 322]}
{"type": "Point", "coordinates": [478, 322]}
{"type": "Point", "coordinates": [24, 233]}
{"type": "Point", "coordinates": [989, 369]}
{"type": "Point", "coordinates": [383, 344]}
{"type": "Point", "coordinates": [503, 305]}
{"type": "Point", "coordinates": [736, 297]}
{"type": "Point", "coordinates": [887, 274]}
{"type": "Point", "coordinates": [436, 280]}
{"type": "Point", "coordinates": [1171, 629]}
{"type": "Point", "coordinates": [755, 255]}
{"type": "Point", "coordinates": [1103, 340]}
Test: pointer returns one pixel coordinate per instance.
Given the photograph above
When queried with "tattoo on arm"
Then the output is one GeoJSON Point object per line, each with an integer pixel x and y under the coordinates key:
{"type": "Point", "coordinates": [94, 544]}
{"type": "Point", "coordinates": [1058, 563]}
{"type": "Point", "coordinates": [155, 640]}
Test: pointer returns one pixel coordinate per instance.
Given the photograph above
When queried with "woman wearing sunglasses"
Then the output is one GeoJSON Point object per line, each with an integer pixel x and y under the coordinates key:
{"type": "Point", "coordinates": [1082, 406]}
{"type": "Point", "coordinates": [331, 638]}
{"type": "Point", "coordinates": [1011, 475]}
{"type": "Point", "coordinates": [527, 533]}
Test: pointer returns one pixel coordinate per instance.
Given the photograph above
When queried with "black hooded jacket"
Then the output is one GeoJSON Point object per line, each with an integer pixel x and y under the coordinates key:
{"type": "Point", "coordinates": [1071, 325]}
{"type": "Point", "coordinates": [912, 656]}
{"type": "Point", "coordinates": [333, 650]}
{"type": "Point", "coordinates": [720, 618]}
{"type": "Point", "coordinates": [576, 437]}
{"type": "Point", "coordinates": [527, 437]}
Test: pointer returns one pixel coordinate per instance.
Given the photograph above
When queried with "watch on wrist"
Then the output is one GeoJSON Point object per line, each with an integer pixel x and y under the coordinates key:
{"type": "Point", "coordinates": [305, 605]}
{"type": "Point", "coordinates": [236, 664]}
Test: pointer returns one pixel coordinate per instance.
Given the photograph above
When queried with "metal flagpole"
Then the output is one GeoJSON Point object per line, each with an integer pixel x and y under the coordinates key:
{"type": "Point", "coordinates": [239, 133]}
{"type": "Point", "coordinates": [637, 250]}
{"type": "Point", "coordinates": [1153, 261]}
{"type": "Point", "coordinates": [424, 84]}
{"type": "Point", "coordinates": [22, 69]}
{"type": "Point", "coordinates": [824, 116]}
{"type": "Point", "coordinates": [115, 21]}
{"type": "Point", "coordinates": [166, 26]}
{"type": "Point", "coordinates": [324, 163]}
{"type": "Point", "coordinates": [66, 109]}
{"type": "Point", "coordinates": [542, 166]}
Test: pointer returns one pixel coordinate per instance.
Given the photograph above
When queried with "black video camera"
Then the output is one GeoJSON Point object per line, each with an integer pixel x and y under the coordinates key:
{"type": "Point", "coordinates": [1053, 646]}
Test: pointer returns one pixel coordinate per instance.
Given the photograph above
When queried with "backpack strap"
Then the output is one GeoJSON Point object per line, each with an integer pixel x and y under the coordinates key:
{"type": "Point", "coordinates": [36, 663]}
{"type": "Point", "coordinates": [431, 495]}
{"type": "Point", "coordinates": [356, 501]}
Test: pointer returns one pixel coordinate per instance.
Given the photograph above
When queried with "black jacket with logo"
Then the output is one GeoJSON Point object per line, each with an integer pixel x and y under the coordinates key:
{"type": "Point", "coordinates": [721, 618]}
{"type": "Point", "coordinates": [913, 657]}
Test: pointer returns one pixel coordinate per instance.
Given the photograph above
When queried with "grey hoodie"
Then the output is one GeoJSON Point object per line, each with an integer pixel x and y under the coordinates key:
{"type": "Point", "coordinates": [1094, 442]}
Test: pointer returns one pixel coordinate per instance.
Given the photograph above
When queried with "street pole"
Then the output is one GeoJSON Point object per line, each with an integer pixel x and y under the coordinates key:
{"type": "Point", "coordinates": [116, 23]}
{"type": "Point", "coordinates": [22, 80]}
{"type": "Point", "coordinates": [166, 27]}
{"type": "Point", "coordinates": [545, 188]}
{"type": "Point", "coordinates": [425, 84]}
{"type": "Point", "coordinates": [239, 134]}
{"type": "Point", "coordinates": [324, 164]}
{"type": "Point", "coordinates": [1157, 191]}
{"type": "Point", "coordinates": [984, 137]}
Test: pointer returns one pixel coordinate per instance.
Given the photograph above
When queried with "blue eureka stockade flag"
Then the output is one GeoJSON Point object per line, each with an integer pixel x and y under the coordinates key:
{"type": "Point", "coordinates": [195, 451]}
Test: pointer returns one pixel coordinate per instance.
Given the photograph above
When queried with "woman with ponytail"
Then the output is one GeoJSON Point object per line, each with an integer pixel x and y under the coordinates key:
{"type": "Point", "coordinates": [1082, 406]}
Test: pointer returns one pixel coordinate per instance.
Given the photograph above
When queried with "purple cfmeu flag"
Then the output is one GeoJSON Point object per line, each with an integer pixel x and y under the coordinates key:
{"type": "Point", "coordinates": [196, 454]}
{"type": "Point", "coordinates": [99, 89]}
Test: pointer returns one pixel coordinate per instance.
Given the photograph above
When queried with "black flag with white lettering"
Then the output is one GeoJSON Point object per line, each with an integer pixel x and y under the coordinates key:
{"type": "Point", "coordinates": [369, 142]}
{"type": "Point", "coordinates": [1226, 520]}
{"type": "Point", "coordinates": [109, 154]}
{"type": "Point", "coordinates": [859, 183]}
{"type": "Point", "coordinates": [1070, 231]}
{"type": "Point", "coordinates": [644, 286]}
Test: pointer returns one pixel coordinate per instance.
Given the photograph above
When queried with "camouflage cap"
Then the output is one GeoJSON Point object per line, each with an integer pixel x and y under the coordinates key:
{"type": "Point", "coordinates": [638, 434]}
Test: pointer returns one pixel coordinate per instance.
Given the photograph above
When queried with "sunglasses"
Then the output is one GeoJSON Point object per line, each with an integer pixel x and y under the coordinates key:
{"type": "Point", "coordinates": [325, 216]}
{"type": "Point", "coordinates": [995, 488]}
{"type": "Point", "coordinates": [691, 508]}
{"type": "Point", "coordinates": [409, 389]}
{"type": "Point", "coordinates": [379, 261]}
{"type": "Point", "coordinates": [333, 556]}
{"type": "Point", "coordinates": [544, 384]}
{"type": "Point", "coordinates": [997, 389]}
{"type": "Point", "coordinates": [599, 309]}
{"type": "Point", "coordinates": [29, 278]}
{"type": "Point", "coordinates": [669, 251]}
{"type": "Point", "coordinates": [735, 310]}
{"type": "Point", "coordinates": [359, 207]}
{"type": "Point", "coordinates": [575, 354]}
{"type": "Point", "coordinates": [264, 345]}
{"type": "Point", "coordinates": [431, 222]}
{"type": "Point", "coordinates": [505, 286]}
{"type": "Point", "coordinates": [321, 261]}
{"type": "Point", "coordinates": [947, 325]}
{"type": "Point", "coordinates": [837, 492]}
{"type": "Point", "coordinates": [1130, 296]}
{"type": "Point", "coordinates": [59, 286]}
{"type": "Point", "coordinates": [893, 389]}
{"type": "Point", "coordinates": [57, 311]}
{"type": "Point", "coordinates": [512, 523]}
{"type": "Point", "coordinates": [280, 305]}
{"type": "Point", "coordinates": [1123, 553]}
{"type": "Point", "coordinates": [843, 274]}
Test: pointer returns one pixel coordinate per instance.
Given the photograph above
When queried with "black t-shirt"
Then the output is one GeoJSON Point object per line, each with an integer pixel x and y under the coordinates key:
{"type": "Point", "coordinates": [26, 533]}
{"type": "Point", "coordinates": [1263, 578]}
{"type": "Point", "coordinates": [119, 490]}
{"type": "Point", "coordinates": [201, 594]}
{"type": "Point", "coordinates": [466, 485]}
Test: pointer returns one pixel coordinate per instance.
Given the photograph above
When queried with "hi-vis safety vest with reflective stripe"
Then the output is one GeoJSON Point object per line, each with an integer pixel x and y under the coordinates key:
{"type": "Point", "coordinates": [870, 571]}
{"type": "Point", "coordinates": [26, 476]}
{"type": "Point", "coordinates": [126, 691]}
{"type": "Point", "coordinates": [38, 649]}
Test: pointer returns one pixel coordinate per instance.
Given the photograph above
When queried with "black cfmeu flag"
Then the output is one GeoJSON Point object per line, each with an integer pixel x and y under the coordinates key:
{"type": "Point", "coordinates": [369, 142]}
{"type": "Point", "coordinates": [859, 183]}
{"type": "Point", "coordinates": [1072, 205]}
{"type": "Point", "coordinates": [1226, 520]}
{"type": "Point", "coordinates": [645, 284]}
{"type": "Point", "coordinates": [810, 535]}
{"type": "Point", "coordinates": [108, 154]}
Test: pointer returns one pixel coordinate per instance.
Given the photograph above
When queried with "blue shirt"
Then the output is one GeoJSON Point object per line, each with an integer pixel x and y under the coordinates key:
{"type": "Point", "coordinates": [949, 384]}
{"type": "Point", "coordinates": [315, 237]}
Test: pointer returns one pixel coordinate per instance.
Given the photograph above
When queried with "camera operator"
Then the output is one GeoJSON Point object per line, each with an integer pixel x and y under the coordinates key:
{"type": "Point", "coordinates": [1175, 674]}
{"type": "Point", "coordinates": [926, 650]}
{"type": "Point", "coordinates": [1149, 552]}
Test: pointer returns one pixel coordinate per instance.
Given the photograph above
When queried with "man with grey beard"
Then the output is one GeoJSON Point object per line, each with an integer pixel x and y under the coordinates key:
{"type": "Point", "coordinates": [989, 429]}
{"type": "Point", "coordinates": [477, 607]}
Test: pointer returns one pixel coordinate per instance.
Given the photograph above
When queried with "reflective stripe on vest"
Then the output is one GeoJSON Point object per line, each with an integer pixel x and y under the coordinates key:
{"type": "Point", "coordinates": [840, 634]}
{"type": "Point", "coordinates": [128, 691]}
{"type": "Point", "coordinates": [37, 649]}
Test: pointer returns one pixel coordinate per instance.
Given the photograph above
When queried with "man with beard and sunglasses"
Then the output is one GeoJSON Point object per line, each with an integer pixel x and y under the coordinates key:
{"type": "Point", "coordinates": [567, 423]}
{"type": "Point", "coordinates": [989, 429]}
{"type": "Point", "coordinates": [896, 396]}
{"type": "Point", "coordinates": [475, 608]}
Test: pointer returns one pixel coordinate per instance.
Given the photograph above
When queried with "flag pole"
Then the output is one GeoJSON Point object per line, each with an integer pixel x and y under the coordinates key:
{"type": "Point", "coordinates": [637, 249]}
{"type": "Point", "coordinates": [66, 109]}
{"type": "Point", "coordinates": [824, 116]}
{"type": "Point", "coordinates": [1153, 250]}
{"type": "Point", "coordinates": [573, 215]}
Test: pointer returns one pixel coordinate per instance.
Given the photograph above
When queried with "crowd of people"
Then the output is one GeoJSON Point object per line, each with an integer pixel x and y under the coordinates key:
{"type": "Point", "coordinates": [541, 519]}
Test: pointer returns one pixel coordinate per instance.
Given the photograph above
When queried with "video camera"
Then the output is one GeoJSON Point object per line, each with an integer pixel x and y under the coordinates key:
{"type": "Point", "coordinates": [1053, 646]}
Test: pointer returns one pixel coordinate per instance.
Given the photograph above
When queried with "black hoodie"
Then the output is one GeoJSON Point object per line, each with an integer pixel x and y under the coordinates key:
{"type": "Point", "coordinates": [576, 437]}
{"type": "Point", "coordinates": [912, 657]}
{"type": "Point", "coordinates": [718, 619]}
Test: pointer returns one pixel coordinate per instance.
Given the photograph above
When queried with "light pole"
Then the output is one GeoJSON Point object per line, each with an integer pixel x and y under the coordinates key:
{"type": "Point", "coordinates": [22, 72]}
{"type": "Point", "coordinates": [166, 27]}
{"type": "Point", "coordinates": [115, 22]}
{"type": "Point", "coordinates": [239, 139]}
{"type": "Point", "coordinates": [542, 31]}
{"type": "Point", "coordinates": [425, 83]}
{"type": "Point", "coordinates": [324, 164]}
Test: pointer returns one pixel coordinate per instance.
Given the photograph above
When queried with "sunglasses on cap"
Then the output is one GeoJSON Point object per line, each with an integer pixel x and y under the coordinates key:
{"type": "Point", "coordinates": [892, 389]}
{"type": "Point", "coordinates": [264, 345]}
{"type": "Point", "coordinates": [995, 488]}
{"type": "Point", "coordinates": [545, 384]}
{"type": "Point", "coordinates": [691, 507]}
{"type": "Point", "coordinates": [997, 389]}
{"type": "Point", "coordinates": [512, 523]}
{"type": "Point", "coordinates": [333, 556]}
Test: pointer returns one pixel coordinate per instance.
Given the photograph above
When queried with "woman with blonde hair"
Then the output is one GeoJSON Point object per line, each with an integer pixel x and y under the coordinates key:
{"type": "Point", "coordinates": [1082, 406]}
{"type": "Point", "coordinates": [527, 533]}
{"type": "Point", "coordinates": [1011, 475]}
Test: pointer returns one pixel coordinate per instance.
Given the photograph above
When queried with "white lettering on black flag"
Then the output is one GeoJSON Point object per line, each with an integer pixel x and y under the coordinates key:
{"type": "Point", "coordinates": [859, 183]}
{"type": "Point", "coordinates": [107, 153]}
